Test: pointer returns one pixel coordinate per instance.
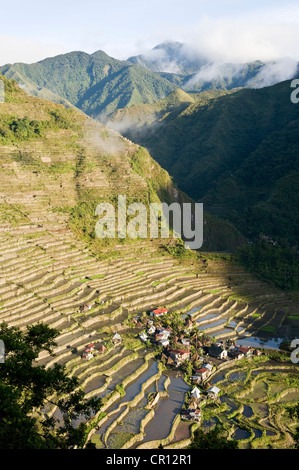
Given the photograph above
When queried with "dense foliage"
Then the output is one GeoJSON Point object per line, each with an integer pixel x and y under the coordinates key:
{"type": "Point", "coordinates": [214, 439]}
{"type": "Point", "coordinates": [14, 129]}
{"type": "Point", "coordinates": [95, 83]}
{"type": "Point", "coordinates": [237, 153]}
{"type": "Point", "coordinates": [26, 388]}
{"type": "Point", "coordinates": [276, 262]}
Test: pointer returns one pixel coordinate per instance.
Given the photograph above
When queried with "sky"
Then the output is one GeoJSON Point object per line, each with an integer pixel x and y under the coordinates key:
{"type": "Point", "coordinates": [230, 30]}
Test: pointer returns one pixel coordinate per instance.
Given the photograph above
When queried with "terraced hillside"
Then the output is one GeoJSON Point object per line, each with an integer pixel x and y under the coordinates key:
{"type": "Point", "coordinates": [47, 275]}
{"type": "Point", "coordinates": [53, 271]}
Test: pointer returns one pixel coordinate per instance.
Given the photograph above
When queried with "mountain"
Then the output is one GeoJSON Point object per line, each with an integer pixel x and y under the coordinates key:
{"type": "Point", "coordinates": [191, 70]}
{"type": "Point", "coordinates": [60, 161]}
{"type": "Point", "coordinates": [237, 153]}
{"type": "Point", "coordinates": [95, 83]}
{"type": "Point", "coordinates": [98, 84]}
{"type": "Point", "coordinates": [170, 57]}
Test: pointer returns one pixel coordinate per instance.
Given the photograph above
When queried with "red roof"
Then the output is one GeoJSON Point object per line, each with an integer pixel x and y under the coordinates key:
{"type": "Point", "coordinates": [201, 371]}
{"type": "Point", "coordinates": [179, 351]}
{"type": "Point", "coordinates": [90, 345]}
{"type": "Point", "coordinates": [159, 336]}
{"type": "Point", "coordinates": [243, 349]}
{"type": "Point", "coordinates": [160, 311]}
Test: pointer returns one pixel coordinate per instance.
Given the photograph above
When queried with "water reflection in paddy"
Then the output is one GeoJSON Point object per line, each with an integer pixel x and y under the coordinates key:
{"type": "Point", "coordinates": [124, 372]}
{"type": "Point", "coordinates": [213, 324]}
{"type": "Point", "coordinates": [207, 317]}
{"type": "Point", "coordinates": [275, 371]}
{"type": "Point", "coordinates": [271, 343]}
{"type": "Point", "coordinates": [167, 409]}
{"type": "Point", "coordinates": [232, 404]}
{"type": "Point", "coordinates": [241, 434]}
{"type": "Point", "coordinates": [236, 376]}
{"type": "Point", "coordinates": [130, 425]}
{"type": "Point", "coordinates": [131, 391]}
{"type": "Point", "coordinates": [247, 411]}
{"type": "Point", "coordinates": [221, 332]}
{"type": "Point", "coordinates": [194, 309]}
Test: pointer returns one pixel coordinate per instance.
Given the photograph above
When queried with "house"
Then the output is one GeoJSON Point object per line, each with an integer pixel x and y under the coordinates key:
{"type": "Point", "coordinates": [116, 338]}
{"type": "Point", "coordinates": [87, 355]}
{"type": "Point", "coordinates": [189, 324]}
{"type": "Point", "coordinates": [196, 415]}
{"type": "Point", "coordinates": [163, 342]}
{"type": "Point", "coordinates": [245, 351]}
{"type": "Point", "coordinates": [208, 366]}
{"type": "Point", "coordinates": [202, 374]}
{"type": "Point", "coordinates": [151, 330]}
{"type": "Point", "coordinates": [163, 333]}
{"type": "Point", "coordinates": [179, 355]}
{"type": "Point", "coordinates": [257, 352]}
{"type": "Point", "coordinates": [218, 352]}
{"type": "Point", "coordinates": [84, 308]}
{"type": "Point", "coordinates": [213, 392]}
{"type": "Point", "coordinates": [196, 379]}
{"type": "Point", "coordinates": [90, 347]}
{"type": "Point", "coordinates": [186, 342]}
{"type": "Point", "coordinates": [196, 393]}
{"type": "Point", "coordinates": [102, 349]}
{"type": "Point", "coordinates": [159, 337]}
{"type": "Point", "coordinates": [191, 415]}
{"type": "Point", "coordinates": [143, 337]}
{"type": "Point", "coordinates": [135, 319]}
{"type": "Point", "coordinates": [235, 354]}
{"type": "Point", "coordinates": [158, 312]}
{"type": "Point", "coordinates": [170, 361]}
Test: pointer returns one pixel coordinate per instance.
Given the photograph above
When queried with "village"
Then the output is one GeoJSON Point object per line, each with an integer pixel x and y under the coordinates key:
{"type": "Point", "coordinates": [182, 346]}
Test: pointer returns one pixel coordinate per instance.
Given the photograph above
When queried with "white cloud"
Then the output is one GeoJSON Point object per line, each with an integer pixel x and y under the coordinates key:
{"type": "Point", "coordinates": [265, 35]}
{"type": "Point", "coordinates": [275, 72]}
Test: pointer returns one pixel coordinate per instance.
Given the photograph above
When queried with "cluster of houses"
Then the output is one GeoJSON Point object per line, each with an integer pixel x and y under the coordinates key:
{"type": "Point", "coordinates": [91, 350]}
{"type": "Point", "coordinates": [202, 374]}
{"type": "Point", "coordinates": [233, 351]}
{"type": "Point", "coordinates": [177, 350]}
{"type": "Point", "coordinates": [84, 308]}
{"type": "Point", "coordinates": [193, 409]}
{"type": "Point", "coordinates": [161, 337]}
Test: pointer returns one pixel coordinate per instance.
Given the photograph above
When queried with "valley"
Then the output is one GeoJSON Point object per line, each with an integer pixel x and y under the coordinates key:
{"type": "Point", "coordinates": [56, 165]}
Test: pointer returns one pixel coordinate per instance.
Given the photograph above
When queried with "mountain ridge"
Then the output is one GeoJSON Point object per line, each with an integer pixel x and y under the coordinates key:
{"type": "Point", "coordinates": [57, 160]}
{"type": "Point", "coordinates": [99, 84]}
{"type": "Point", "coordinates": [229, 152]}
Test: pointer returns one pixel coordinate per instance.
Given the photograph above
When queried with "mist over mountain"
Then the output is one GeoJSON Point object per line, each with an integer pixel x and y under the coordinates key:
{"type": "Point", "coordinates": [194, 70]}
{"type": "Point", "coordinates": [170, 57]}
{"type": "Point", "coordinates": [98, 84]}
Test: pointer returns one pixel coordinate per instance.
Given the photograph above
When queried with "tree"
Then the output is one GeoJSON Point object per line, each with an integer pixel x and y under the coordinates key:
{"type": "Point", "coordinates": [187, 367]}
{"type": "Point", "coordinates": [27, 388]}
{"type": "Point", "coordinates": [214, 439]}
